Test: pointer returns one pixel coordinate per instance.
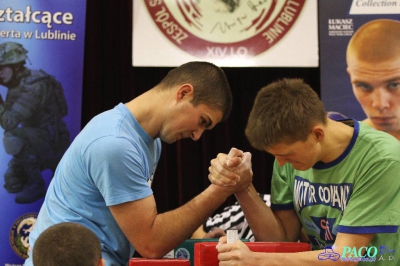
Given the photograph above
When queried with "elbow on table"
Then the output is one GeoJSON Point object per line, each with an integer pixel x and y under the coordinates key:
{"type": "Point", "coordinates": [152, 252]}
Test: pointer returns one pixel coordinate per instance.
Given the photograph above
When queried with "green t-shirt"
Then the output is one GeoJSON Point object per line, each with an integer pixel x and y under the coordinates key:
{"type": "Point", "coordinates": [358, 193]}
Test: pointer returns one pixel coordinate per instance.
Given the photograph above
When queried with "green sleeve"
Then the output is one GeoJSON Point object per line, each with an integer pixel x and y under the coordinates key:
{"type": "Point", "coordinates": [281, 188]}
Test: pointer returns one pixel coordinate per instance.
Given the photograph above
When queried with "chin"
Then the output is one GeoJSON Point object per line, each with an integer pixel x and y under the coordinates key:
{"type": "Point", "coordinates": [168, 141]}
{"type": "Point", "coordinates": [384, 127]}
{"type": "Point", "coordinates": [301, 167]}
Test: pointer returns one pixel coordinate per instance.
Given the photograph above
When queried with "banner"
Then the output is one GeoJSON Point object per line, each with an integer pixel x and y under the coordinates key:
{"type": "Point", "coordinates": [337, 24]}
{"type": "Point", "coordinates": [278, 33]}
{"type": "Point", "coordinates": [41, 71]}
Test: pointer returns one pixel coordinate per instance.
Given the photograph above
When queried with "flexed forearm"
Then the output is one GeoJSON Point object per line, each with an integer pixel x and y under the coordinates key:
{"type": "Point", "coordinates": [266, 224]}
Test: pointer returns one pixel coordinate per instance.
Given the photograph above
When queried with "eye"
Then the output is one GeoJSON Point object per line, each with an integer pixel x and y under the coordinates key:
{"type": "Point", "coordinates": [363, 86]}
{"type": "Point", "coordinates": [393, 86]}
{"type": "Point", "coordinates": [205, 122]}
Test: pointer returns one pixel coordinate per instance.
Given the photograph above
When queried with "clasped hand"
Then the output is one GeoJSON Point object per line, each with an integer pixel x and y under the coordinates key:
{"type": "Point", "coordinates": [233, 169]}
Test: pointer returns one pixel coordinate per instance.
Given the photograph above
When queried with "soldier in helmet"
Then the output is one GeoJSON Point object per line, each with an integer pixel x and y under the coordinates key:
{"type": "Point", "coordinates": [31, 116]}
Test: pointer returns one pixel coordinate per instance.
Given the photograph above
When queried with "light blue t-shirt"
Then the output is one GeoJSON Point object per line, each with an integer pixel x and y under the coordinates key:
{"type": "Point", "coordinates": [110, 162]}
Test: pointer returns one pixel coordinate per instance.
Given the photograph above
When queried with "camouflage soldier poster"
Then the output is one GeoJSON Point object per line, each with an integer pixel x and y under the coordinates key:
{"type": "Point", "coordinates": [41, 71]}
{"type": "Point", "coordinates": [277, 33]}
{"type": "Point", "coordinates": [338, 24]}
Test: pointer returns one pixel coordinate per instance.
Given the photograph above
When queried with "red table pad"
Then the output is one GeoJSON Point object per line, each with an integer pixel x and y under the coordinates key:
{"type": "Point", "coordinates": [205, 253]}
{"type": "Point", "coordinates": [148, 262]}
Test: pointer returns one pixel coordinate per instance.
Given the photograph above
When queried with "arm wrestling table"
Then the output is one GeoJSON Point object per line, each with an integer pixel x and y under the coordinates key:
{"type": "Point", "coordinates": [205, 253]}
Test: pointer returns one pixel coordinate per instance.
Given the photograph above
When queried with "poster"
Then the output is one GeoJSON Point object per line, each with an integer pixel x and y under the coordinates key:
{"type": "Point", "coordinates": [277, 33]}
{"type": "Point", "coordinates": [41, 71]}
{"type": "Point", "coordinates": [337, 24]}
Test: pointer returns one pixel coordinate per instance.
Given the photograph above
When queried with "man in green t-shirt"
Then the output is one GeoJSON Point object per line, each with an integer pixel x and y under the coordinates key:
{"type": "Point", "coordinates": [337, 181]}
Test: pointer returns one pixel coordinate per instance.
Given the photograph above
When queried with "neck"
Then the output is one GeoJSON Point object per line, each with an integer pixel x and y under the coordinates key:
{"type": "Point", "coordinates": [395, 134]}
{"type": "Point", "coordinates": [17, 77]}
{"type": "Point", "coordinates": [337, 139]}
{"type": "Point", "coordinates": [147, 109]}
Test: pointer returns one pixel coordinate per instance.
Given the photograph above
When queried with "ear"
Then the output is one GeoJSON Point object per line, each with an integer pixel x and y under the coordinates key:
{"type": "Point", "coordinates": [101, 262]}
{"type": "Point", "coordinates": [186, 90]}
{"type": "Point", "coordinates": [319, 133]}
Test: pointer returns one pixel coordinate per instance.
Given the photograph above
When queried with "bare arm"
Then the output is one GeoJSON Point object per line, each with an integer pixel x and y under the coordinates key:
{"type": "Point", "coordinates": [268, 225]}
{"type": "Point", "coordinates": [213, 233]}
{"type": "Point", "coordinates": [153, 234]}
{"type": "Point", "coordinates": [199, 233]}
{"type": "Point", "coordinates": [239, 254]}
{"type": "Point", "coordinates": [265, 224]}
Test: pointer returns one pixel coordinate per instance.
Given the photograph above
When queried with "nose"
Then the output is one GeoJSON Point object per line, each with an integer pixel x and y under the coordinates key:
{"type": "Point", "coordinates": [197, 134]}
{"type": "Point", "coordinates": [380, 99]}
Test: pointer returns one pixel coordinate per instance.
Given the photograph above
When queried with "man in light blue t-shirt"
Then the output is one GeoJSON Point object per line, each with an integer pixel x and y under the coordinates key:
{"type": "Point", "coordinates": [104, 179]}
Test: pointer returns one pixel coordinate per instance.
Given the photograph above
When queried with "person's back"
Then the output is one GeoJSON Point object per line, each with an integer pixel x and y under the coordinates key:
{"type": "Point", "coordinates": [67, 244]}
{"type": "Point", "coordinates": [84, 193]}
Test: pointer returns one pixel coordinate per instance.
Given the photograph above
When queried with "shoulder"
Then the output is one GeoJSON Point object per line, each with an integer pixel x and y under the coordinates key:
{"type": "Point", "coordinates": [38, 81]}
{"type": "Point", "coordinates": [36, 76]}
{"type": "Point", "coordinates": [368, 122]}
{"type": "Point", "coordinates": [112, 131]}
{"type": "Point", "coordinates": [377, 143]}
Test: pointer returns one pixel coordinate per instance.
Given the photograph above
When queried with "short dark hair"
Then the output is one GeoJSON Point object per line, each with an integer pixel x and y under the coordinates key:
{"type": "Point", "coordinates": [210, 85]}
{"type": "Point", "coordinates": [284, 111]}
{"type": "Point", "coordinates": [67, 244]}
